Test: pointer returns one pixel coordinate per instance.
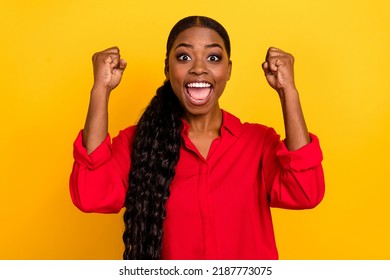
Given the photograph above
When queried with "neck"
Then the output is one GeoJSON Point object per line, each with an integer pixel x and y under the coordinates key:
{"type": "Point", "coordinates": [208, 123]}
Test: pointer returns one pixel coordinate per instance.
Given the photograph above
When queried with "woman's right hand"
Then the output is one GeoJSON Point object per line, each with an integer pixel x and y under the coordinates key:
{"type": "Point", "coordinates": [108, 69]}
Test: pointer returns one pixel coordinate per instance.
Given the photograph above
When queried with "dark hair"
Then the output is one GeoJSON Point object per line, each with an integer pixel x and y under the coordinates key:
{"type": "Point", "coordinates": [155, 153]}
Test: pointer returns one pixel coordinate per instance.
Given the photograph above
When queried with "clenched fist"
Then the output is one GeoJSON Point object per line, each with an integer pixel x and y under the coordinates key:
{"type": "Point", "coordinates": [279, 69]}
{"type": "Point", "coordinates": [108, 68]}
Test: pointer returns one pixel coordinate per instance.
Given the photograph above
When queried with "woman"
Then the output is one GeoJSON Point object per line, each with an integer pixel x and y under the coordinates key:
{"type": "Point", "coordinates": [195, 181]}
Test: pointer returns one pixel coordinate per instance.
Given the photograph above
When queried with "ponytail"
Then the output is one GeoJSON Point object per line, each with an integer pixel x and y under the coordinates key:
{"type": "Point", "coordinates": [155, 153]}
{"type": "Point", "coordinates": [154, 156]}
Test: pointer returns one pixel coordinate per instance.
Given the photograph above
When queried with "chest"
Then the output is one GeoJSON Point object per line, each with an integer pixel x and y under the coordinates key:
{"type": "Point", "coordinates": [227, 180]}
{"type": "Point", "coordinates": [202, 144]}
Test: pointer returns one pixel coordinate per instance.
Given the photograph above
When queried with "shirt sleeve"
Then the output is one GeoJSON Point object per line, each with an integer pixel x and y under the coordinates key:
{"type": "Point", "coordinates": [99, 181]}
{"type": "Point", "coordinates": [294, 179]}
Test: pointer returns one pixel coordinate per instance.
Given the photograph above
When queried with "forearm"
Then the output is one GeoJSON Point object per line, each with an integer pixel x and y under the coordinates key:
{"type": "Point", "coordinates": [296, 131]}
{"type": "Point", "coordinates": [96, 124]}
{"type": "Point", "coordinates": [108, 70]}
{"type": "Point", "coordinates": [279, 72]}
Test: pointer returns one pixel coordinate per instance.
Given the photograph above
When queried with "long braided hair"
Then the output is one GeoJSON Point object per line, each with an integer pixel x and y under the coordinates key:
{"type": "Point", "coordinates": [155, 153]}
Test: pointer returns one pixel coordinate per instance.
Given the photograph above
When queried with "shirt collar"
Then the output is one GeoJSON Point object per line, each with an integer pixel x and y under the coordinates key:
{"type": "Point", "coordinates": [229, 122]}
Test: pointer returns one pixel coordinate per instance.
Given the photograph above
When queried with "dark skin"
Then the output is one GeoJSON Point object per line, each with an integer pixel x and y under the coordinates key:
{"type": "Point", "coordinates": [108, 70]}
{"type": "Point", "coordinates": [198, 55]}
{"type": "Point", "coordinates": [198, 69]}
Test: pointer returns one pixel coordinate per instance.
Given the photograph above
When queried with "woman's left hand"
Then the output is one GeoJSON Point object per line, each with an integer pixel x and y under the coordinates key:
{"type": "Point", "coordinates": [279, 70]}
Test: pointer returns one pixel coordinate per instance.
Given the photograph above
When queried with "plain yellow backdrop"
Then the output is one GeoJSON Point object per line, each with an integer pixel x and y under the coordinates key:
{"type": "Point", "coordinates": [342, 60]}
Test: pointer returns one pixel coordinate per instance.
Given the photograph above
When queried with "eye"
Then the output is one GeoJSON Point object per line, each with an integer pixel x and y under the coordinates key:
{"type": "Point", "coordinates": [214, 58]}
{"type": "Point", "coordinates": [184, 57]}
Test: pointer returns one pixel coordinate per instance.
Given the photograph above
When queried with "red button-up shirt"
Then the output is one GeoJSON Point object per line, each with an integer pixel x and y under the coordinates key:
{"type": "Point", "coordinates": [219, 207]}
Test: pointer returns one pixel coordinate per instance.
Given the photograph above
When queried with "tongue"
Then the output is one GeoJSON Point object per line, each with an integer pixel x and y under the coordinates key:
{"type": "Point", "coordinates": [198, 93]}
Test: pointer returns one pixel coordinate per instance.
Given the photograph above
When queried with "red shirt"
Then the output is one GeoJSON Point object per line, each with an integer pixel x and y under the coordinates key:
{"type": "Point", "coordinates": [219, 207]}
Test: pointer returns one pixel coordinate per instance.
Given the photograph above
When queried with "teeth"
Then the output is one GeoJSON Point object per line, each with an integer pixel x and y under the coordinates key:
{"type": "Point", "coordinates": [199, 85]}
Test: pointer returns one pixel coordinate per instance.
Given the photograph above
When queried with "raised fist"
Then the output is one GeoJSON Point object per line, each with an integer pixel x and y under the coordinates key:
{"type": "Point", "coordinates": [279, 69]}
{"type": "Point", "coordinates": [108, 68]}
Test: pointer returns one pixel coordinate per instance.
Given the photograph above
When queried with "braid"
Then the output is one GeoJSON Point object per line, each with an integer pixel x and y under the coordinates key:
{"type": "Point", "coordinates": [154, 156]}
{"type": "Point", "coordinates": [155, 153]}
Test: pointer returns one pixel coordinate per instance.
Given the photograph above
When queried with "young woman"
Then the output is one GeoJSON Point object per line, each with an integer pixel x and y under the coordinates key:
{"type": "Point", "coordinates": [196, 182]}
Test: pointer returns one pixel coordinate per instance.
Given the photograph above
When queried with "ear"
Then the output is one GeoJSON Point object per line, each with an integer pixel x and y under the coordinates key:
{"type": "Point", "coordinates": [230, 68]}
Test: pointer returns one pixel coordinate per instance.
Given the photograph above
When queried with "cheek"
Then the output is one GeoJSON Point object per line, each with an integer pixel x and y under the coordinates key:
{"type": "Point", "coordinates": [222, 72]}
{"type": "Point", "coordinates": [175, 80]}
{"type": "Point", "coordinates": [173, 67]}
{"type": "Point", "coordinates": [175, 74]}
{"type": "Point", "coordinates": [222, 75]}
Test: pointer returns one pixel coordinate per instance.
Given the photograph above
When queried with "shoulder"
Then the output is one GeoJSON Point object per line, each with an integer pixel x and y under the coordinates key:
{"type": "Point", "coordinates": [234, 123]}
{"type": "Point", "coordinates": [125, 135]}
{"type": "Point", "coordinates": [257, 128]}
{"type": "Point", "coordinates": [261, 134]}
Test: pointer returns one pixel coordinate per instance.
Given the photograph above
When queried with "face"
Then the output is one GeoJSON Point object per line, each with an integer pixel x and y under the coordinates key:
{"type": "Point", "coordinates": [198, 69]}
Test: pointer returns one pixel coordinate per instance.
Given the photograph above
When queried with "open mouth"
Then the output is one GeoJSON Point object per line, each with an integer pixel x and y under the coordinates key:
{"type": "Point", "coordinates": [198, 92]}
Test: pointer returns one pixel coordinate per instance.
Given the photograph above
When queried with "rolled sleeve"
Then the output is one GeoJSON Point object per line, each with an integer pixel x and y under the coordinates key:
{"type": "Point", "coordinates": [98, 157]}
{"type": "Point", "coordinates": [99, 181]}
{"type": "Point", "coordinates": [294, 179]}
{"type": "Point", "coordinates": [307, 157]}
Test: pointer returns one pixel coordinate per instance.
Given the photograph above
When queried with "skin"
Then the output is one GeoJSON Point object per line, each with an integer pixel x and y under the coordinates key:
{"type": "Point", "coordinates": [279, 72]}
{"type": "Point", "coordinates": [108, 70]}
{"type": "Point", "coordinates": [198, 55]}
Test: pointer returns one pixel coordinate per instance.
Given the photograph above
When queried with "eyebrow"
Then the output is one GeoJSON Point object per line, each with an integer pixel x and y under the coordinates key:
{"type": "Point", "coordinates": [215, 45]}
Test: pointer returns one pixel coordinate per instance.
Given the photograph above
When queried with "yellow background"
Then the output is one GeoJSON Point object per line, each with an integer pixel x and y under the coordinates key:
{"type": "Point", "coordinates": [342, 61]}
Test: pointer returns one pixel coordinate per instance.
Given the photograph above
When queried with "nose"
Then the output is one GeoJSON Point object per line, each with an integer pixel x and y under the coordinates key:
{"type": "Point", "coordinates": [198, 67]}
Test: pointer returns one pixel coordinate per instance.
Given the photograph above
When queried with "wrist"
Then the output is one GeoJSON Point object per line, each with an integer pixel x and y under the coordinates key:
{"type": "Point", "coordinates": [287, 88]}
{"type": "Point", "coordinates": [288, 92]}
{"type": "Point", "coordinates": [100, 90]}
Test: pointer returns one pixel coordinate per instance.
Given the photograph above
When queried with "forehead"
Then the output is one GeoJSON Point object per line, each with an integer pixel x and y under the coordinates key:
{"type": "Point", "coordinates": [199, 36]}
